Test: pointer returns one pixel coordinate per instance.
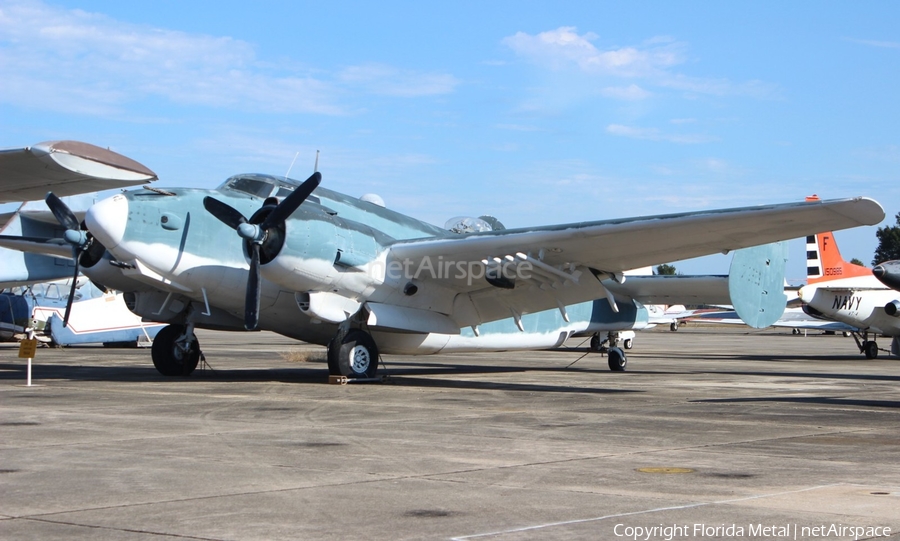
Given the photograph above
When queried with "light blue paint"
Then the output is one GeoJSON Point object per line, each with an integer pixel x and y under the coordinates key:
{"type": "Point", "coordinates": [756, 284]}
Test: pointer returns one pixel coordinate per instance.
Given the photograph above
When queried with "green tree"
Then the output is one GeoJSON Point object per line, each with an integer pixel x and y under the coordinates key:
{"type": "Point", "coordinates": [665, 270]}
{"type": "Point", "coordinates": [857, 262]}
{"type": "Point", "coordinates": [888, 242]}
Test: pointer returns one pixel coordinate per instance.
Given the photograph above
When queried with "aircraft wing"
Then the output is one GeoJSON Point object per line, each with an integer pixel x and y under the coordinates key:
{"type": "Point", "coordinates": [677, 289]}
{"type": "Point", "coordinates": [565, 263]}
{"type": "Point", "coordinates": [65, 168]}
{"type": "Point", "coordinates": [792, 318]}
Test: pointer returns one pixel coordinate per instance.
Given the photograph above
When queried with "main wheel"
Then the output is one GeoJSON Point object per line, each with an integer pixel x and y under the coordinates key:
{"type": "Point", "coordinates": [355, 357]}
{"type": "Point", "coordinates": [617, 359]}
{"type": "Point", "coordinates": [172, 358]}
{"type": "Point", "coordinates": [870, 348]}
{"type": "Point", "coordinates": [673, 326]}
{"type": "Point", "coordinates": [628, 343]}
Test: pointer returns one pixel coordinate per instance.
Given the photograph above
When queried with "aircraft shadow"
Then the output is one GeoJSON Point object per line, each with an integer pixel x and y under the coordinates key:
{"type": "Point", "coordinates": [821, 400]}
{"type": "Point", "coordinates": [314, 372]}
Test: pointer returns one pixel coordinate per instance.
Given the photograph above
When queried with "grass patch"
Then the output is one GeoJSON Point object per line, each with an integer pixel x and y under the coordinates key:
{"type": "Point", "coordinates": [294, 355]}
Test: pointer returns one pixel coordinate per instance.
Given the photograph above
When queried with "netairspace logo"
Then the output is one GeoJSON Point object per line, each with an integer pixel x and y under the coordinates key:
{"type": "Point", "coordinates": [471, 271]}
{"type": "Point", "coordinates": [669, 532]}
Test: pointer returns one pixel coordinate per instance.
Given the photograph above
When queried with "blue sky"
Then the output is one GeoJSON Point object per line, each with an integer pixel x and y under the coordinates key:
{"type": "Point", "coordinates": [536, 113]}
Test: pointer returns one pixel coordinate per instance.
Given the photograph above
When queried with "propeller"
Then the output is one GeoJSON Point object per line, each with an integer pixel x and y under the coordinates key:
{"type": "Point", "coordinates": [82, 242]}
{"type": "Point", "coordinates": [261, 233]}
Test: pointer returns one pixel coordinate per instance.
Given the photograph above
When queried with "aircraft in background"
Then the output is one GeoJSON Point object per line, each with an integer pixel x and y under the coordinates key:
{"type": "Point", "coordinates": [888, 273]}
{"type": "Point", "coordinates": [794, 318]}
{"type": "Point", "coordinates": [97, 316]}
{"type": "Point", "coordinates": [264, 252]}
{"type": "Point", "coordinates": [842, 291]}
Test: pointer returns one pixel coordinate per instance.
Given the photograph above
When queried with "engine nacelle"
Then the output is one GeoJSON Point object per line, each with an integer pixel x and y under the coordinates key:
{"type": "Point", "coordinates": [889, 274]}
{"type": "Point", "coordinates": [892, 308]}
{"type": "Point", "coordinates": [111, 276]}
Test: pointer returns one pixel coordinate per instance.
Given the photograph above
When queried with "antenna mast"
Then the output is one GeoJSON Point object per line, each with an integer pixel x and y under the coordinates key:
{"type": "Point", "coordinates": [292, 164]}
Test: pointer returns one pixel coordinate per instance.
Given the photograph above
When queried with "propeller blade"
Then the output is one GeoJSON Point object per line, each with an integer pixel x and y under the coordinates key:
{"type": "Point", "coordinates": [61, 211]}
{"type": "Point", "coordinates": [227, 214]}
{"type": "Point", "coordinates": [100, 286]}
{"type": "Point", "coordinates": [41, 240]}
{"type": "Point", "coordinates": [251, 304]}
{"type": "Point", "coordinates": [71, 293]}
{"type": "Point", "coordinates": [292, 202]}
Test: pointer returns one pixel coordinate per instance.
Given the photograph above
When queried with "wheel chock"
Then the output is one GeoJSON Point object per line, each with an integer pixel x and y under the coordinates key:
{"type": "Point", "coordinates": [344, 380]}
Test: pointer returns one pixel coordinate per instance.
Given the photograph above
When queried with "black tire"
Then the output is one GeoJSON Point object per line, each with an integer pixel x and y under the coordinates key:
{"type": "Point", "coordinates": [332, 357]}
{"type": "Point", "coordinates": [170, 360]}
{"type": "Point", "coordinates": [355, 357]}
{"type": "Point", "coordinates": [628, 343]}
{"type": "Point", "coordinates": [673, 326]}
{"type": "Point", "coordinates": [595, 343]}
{"type": "Point", "coordinates": [617, 359]}
{"type": "Point", "coordinates": [870, 348]}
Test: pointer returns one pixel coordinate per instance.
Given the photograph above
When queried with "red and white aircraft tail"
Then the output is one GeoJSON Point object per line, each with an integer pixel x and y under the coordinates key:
{"type": "Point", "coordinates": [824, 262]}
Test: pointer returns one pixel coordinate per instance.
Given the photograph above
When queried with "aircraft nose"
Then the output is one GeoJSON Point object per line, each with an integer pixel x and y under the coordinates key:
{"type": "Point", "coordinates": [878, 271]}
{"type": "Point", "coordinates": [107, 219]}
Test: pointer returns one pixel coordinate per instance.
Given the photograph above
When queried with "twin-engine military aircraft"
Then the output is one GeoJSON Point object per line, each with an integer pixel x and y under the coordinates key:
{"type": "Point", "coordinates": [267, 252]}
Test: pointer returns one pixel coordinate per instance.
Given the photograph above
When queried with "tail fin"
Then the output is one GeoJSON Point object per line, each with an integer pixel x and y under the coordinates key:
{"type": "Point", "coordinates": [824, 261]}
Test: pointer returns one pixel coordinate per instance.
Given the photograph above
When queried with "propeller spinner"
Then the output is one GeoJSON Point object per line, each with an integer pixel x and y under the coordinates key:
{"type": "Point", "coordinates": [261, 233]}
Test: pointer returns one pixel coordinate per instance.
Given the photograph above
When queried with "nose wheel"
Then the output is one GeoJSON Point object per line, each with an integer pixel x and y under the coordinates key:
{"type": "Point", "coordinates": [175, 351]}
{"type": "Point", "coordinates": [353, 355]}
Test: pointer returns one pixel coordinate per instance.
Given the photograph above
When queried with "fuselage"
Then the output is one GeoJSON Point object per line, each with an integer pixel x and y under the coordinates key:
{"type": "Point", "coordinates": [333, 246]}
{"type": "Point", "coordinates": [856, 302]}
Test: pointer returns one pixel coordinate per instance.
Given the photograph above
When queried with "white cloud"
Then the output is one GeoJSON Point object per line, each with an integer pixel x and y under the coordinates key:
{"type": "Point", "coordinates": [631, 92]}
{"type": "Point", "coordinates": [654, 61]}
{"type": "Point", "coordinates": [75, 61]}
{"type": "Point", "coordinates": [563, 46]}
{"type": "Point", "coordinates": [876, 43]}
{"type": "Point", "coordinates": [655, 134]}
{"type": "Point", "coordinates": [390, 81]}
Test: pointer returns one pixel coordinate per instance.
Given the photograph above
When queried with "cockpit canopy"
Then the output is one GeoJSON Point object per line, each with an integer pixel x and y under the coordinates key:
{"type": "Point", "coordinates": [468, 224]}
{"type": "Point", "coordinates": [261, 186]}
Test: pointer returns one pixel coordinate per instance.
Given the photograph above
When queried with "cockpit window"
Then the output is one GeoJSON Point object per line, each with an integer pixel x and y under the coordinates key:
{"type": "Point", "coordinates": [262, 186]}
{"type": "Point", "coordinates": [252, 186]}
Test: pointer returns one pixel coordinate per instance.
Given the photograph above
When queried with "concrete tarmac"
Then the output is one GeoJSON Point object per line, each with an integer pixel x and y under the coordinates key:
{"type": "Point", "coordinates": [710, 434]}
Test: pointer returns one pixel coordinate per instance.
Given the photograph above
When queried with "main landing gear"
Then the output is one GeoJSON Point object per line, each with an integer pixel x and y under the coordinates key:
{"type": "Point", "coordinates": [867, 347]}
{"type": "Point", "coordinates": [614, 354]}
{"type": "Point", "coordinates": [353, 353]}
{"type": "Point", "coordinates": [176, 350]}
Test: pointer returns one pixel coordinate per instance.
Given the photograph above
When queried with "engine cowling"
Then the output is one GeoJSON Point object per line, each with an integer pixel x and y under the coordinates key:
{"type": "Point", "coordinates": [892, 308]}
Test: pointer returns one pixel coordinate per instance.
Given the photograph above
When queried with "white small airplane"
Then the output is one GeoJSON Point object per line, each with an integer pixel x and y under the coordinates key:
{"type": "Point", "coordinates": [851, 294]}
{"type": "Point", "coordinates": [359, 278]}
{"type": "Point", "coordinates": [96, 316]}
